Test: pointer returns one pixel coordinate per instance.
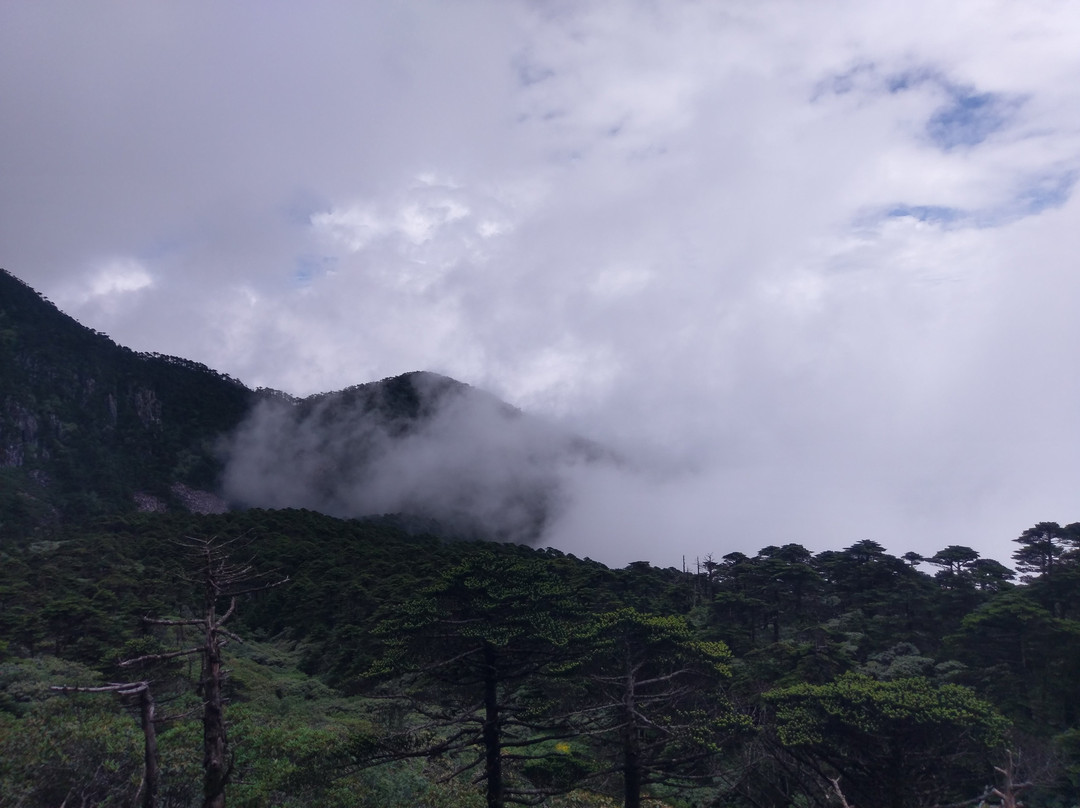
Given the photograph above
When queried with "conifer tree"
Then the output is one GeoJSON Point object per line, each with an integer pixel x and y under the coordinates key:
{"type": "Point", "coordinates": [470, 652]}
{"type": "Point", "coordinates": [653, 705]}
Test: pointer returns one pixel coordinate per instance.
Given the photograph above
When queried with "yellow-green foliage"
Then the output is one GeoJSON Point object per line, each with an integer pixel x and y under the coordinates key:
{"type": "Point", "coordinates": [866, 705]}
{"type": "Point", "coordinates": [78, 749]}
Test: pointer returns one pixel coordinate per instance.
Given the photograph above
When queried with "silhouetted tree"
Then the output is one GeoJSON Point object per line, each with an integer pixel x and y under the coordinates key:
{"type": "Point", "coordinates": [653, 700]}
{"type": "Point", "coordinates": [1041, 548]}
{"type": "Point", "coordinates": [470, 652]}
{"type": "Point", "coordinates": [895, 744]}
{"type": "Point", "coordinates": [222, 582]}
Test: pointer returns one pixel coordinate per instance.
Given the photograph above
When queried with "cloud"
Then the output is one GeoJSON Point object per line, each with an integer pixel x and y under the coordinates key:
{"type": "Point", "coordinates": [1041, 192]}
{"type": "Point", "coordinates": [420, 445]}
{"type": "Point", "coordinates": [807, 264]}
{"type": "Point", "coordinates": [964, 116]}
{"type": "Point", "coordinates": [119, 277]}
{"type": "Point", "coordinates": [110, 286]}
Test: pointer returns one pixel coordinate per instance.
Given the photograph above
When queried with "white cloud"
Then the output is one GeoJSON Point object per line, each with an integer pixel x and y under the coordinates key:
{"type": "Point", "coordinates": [108, 288]}
{"type": "Point", "coordinates": [353, 227]}
{"type": "Point", "coordinates": [118, 277]}
{"type": "Point", "coordinates": [822, 253]}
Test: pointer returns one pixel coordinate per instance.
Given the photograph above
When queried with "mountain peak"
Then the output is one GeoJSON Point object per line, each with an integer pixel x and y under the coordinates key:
{"type": "Point", "coordinates": [89, 427]}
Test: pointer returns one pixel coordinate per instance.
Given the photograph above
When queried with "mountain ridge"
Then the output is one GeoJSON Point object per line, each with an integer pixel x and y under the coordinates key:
{"type": "Point", "coordinates": [89, 427]}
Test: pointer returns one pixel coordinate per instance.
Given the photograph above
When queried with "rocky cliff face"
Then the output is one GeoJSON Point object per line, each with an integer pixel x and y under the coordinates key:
{"type": "Point", "coordinates": [87, 426]}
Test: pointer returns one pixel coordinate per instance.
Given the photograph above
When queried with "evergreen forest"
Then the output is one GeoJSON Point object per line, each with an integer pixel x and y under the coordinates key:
{"type": "Point", "coordinates": [161, 645]}
{"type": "Point", "coordinates": [365, 665]}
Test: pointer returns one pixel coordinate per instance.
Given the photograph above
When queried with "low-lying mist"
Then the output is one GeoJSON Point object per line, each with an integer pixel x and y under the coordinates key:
{"type": "Point", "coordinates": [429, 448]}
{"type": "Point", "coordinates": [421, 445]}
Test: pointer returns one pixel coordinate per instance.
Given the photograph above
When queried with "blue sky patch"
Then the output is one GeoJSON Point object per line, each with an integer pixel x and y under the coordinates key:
{"type": "Point", "coordinates": [933, 214]}
{"type": "Point", "coordinates": [1047, 191]}
{"type": "Point", "coordinates": [1032, 197]}
{"type": "Point", "coordinates": [309, 268]}
{"type": "Point", "coordinates": [969, 118]}
{"type": "Point", "coordinates": [910, 79]}
{"type": "Point", "coordinates": [966, 118]}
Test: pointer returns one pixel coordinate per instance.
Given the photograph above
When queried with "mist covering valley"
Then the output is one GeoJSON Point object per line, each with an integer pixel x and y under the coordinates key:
{"type": "Point", "coordinates": [420, 444]}
{"type": "Point", "coordinates": [90, 427]}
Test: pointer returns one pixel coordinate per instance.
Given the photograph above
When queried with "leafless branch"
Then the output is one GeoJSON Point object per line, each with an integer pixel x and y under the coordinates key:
{"type": "Point", "coordinates": [158, 621]}
{"type": "Point", "coordinates": [120, 688]}
{"type": "Point", "coordinates": [160, 657]}
{"type": "Point", "coordinates": [835, 781]}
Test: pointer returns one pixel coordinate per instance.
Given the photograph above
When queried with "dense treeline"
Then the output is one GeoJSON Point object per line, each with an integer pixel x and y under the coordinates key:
{"type": "Point", "coordinates": [399, 669]}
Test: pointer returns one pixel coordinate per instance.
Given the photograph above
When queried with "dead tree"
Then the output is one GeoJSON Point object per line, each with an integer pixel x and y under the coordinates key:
{"type": "Point", "coordinates": [1009, 791]}
{"type": "Point", "coordinates": [152, 772]}
{"type": "Point", "coordinates": [839, 793]}
{"type": "Point", "coordinates": [222, 581]}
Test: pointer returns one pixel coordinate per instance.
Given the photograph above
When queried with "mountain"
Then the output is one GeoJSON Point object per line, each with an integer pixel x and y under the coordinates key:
{"type": "Point", "coordinates": [389, 661]}
{"type": "Point", "coordinates": [419, 444]}
{"type": "Point", "coordinates": [89, 427]}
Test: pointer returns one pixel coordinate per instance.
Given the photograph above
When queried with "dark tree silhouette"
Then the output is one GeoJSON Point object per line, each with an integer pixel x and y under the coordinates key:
{"type": "Point", "coordinates": [222, 581]}
{"type": "Point", "coordinates": [653, 705]}
{"type": "Point", "coordinates": [470, 652]}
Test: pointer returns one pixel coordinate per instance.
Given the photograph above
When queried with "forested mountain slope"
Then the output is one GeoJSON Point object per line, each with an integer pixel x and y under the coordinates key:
{"type": "Point", "coordinates": [419, 444]}
{"type": "Point", "coordinates": [88, 427]}
{"type": "Point", "coordinates": [762, 679]}
{"type": "Point", "coordinates": [399, 661]}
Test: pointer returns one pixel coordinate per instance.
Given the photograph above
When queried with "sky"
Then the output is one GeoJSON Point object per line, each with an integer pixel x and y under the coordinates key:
{"type": "Point", "coordinates": [812, 266]}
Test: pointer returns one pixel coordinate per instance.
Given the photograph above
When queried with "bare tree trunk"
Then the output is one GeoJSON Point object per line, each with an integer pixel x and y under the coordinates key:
{"type": "Point", "coordinates": [153, 770]}
{"type": "Point", "coordinates": [215, 742]}
{"type": "Point", "coordinates": [631, 770]}
{"type": "Point", "coordinates": [152, 773]}
{"type": "Point", "coordinates": [631, 744]}
{"type": "Point", "coordinates": [1009, 793]}
{"type": "Point", "coordinates": [492, 748]}
{"type": "Point", "coordinates": [836, 788]}
{"type": "Point", "coordinates": [221, 579]}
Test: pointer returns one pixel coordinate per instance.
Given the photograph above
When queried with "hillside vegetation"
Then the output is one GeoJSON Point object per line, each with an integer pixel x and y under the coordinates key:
{"type": "Point", "coordinates": [162, 643]}
{"type": "Point", "coordinates": [90, 428]}
{"type": "Point", "coordinates": [780, 679]}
